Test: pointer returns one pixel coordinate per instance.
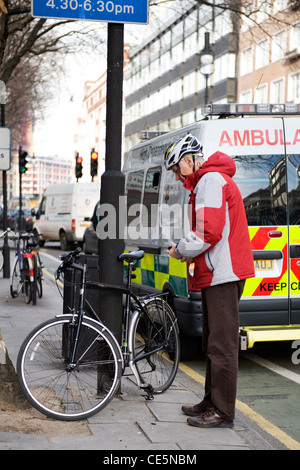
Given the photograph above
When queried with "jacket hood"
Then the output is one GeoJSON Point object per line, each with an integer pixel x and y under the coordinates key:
{"type": "Point", "coordinates": [218, 162]}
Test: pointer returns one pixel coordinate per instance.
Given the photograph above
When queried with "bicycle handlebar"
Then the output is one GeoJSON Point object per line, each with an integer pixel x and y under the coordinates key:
{"type": "Point", "coordinates": [67, 260]}
{"type": "Point", "coordinates": [20, 235]}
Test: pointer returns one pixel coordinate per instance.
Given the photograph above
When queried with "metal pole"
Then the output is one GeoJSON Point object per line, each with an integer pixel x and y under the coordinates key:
{"type": "Point", "coordinates": [113, 182]}
{"type": "Point", "coordinates": [206, 88]}
{"type": "Point", "coordinates": [6, 255]}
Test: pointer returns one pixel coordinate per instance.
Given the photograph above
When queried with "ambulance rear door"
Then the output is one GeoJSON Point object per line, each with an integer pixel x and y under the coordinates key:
{"type": "Point", "coordinates": [292, 138]}
{"type": "Point", "coordinates": [264, 150]}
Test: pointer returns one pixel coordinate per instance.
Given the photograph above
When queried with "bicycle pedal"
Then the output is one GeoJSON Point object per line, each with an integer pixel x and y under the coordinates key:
{"type": "Point", "coordinates": [149, 396]}
{"type": "Point", "coordinates": [148, 389]}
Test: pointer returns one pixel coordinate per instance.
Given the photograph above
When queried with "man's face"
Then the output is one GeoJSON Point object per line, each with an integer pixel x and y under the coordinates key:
{"type": "Point", "coordinates": [178, 175]}
{"type": "Point", "coordinates": [186, 165]}
{"type": "Point", "coordinates": [183, 168]}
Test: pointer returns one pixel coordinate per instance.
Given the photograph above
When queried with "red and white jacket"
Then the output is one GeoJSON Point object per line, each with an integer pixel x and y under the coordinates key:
{"type": "Point", "coordinates": [219, 237]}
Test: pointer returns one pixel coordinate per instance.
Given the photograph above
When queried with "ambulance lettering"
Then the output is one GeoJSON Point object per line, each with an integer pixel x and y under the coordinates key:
{"type": "Point", "coordinates": [270, 286]}
{"type": "Point", "coordinates": [256, 137]}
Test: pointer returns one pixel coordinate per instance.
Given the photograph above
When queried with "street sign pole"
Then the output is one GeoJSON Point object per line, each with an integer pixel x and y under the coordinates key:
{"type": "Point", "coordinates": [6, 255]}
{"type": "Point", "coordinates": [113, 182]}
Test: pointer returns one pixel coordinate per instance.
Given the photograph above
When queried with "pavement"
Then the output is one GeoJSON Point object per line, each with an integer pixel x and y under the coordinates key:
{"type": "Point", "coordinates": [129, 422]}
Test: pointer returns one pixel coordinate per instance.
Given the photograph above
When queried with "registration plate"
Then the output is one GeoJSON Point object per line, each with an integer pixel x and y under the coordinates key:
{"type": "Point", "coordinates": [264, 264]}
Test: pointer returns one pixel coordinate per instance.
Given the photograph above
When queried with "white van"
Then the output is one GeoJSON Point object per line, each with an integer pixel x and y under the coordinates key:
{"type": "Point", "coordinates": [266, 150]}
{"type": "Point", "coordinates": [65, 211]}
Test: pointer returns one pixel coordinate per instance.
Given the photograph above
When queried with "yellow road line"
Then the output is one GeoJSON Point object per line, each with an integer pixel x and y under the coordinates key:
{"type": "Point", "coordinates": [263, 423]}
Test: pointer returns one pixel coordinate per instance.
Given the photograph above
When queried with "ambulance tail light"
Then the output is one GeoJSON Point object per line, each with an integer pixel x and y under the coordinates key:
{"type": "Point", "coordinates": [73, 227]}
{"type": "Point", "coordinates": [236, 109]}
{"type": "Point", "coordinates": [191, 269]}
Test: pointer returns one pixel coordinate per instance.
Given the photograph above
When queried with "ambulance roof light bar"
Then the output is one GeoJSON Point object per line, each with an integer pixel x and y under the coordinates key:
{"type": "Point", "coordinates": [235, 109]}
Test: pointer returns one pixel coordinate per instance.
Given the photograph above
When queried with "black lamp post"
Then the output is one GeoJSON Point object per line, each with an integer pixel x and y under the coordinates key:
{"type": "Point", "coordinates": [206, 64]}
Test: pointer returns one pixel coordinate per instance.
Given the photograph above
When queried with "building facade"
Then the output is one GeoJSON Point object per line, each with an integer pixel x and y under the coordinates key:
{"type": "Point", "coordinates": [91, 126]}
{"type": "Point", "coordinates": [165, 88]}
{"type": "Point", "coordinates": [269, 53]}
{"type": "Point", "coordinates": [43, 171]}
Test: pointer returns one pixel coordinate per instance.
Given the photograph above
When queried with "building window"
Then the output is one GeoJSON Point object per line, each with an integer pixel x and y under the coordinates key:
{"type": "Point", "coordinates": [279, 46]}
{"type": "Point", "coordinates": [294, 88]}
{"type": "Point", "coordinates": [247, 16]}
{"type": "Point", "coordinates": [279, 5]}
{"type": "Point", "coordinates": [247, 61]}
{"type": "Point", "coordinates": [261, 94]}
{"type": "Point", "coordinates": [277, 91]}
{"type": "Point", "coordinates": [246, 97]}
{"type": "Point", "coordinates": [263, 11]}
{"type": "Point", "coordinates": [224, 67]}
{"type": "Point", "coordinates": [294, 36]}
{"type": "Point", "coordinates": [262, 54]}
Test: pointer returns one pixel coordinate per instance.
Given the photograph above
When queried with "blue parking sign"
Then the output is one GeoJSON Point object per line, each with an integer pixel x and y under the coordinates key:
{"type": "Point", "coordinates": [114, 11]}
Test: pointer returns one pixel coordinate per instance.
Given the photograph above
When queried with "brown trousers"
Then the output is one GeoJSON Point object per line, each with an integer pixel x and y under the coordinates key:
{"type": "Point", "coordinates": [220, 341]}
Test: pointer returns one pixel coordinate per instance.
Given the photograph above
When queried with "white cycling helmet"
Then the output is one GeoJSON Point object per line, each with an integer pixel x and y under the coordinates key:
{"type": "Point", "coordinates": [175, 152]}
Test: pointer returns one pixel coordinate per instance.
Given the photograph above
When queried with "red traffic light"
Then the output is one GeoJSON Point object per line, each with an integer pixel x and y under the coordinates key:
{"type": "Point", "coordinates": [79, 160]}
{"type": "Point", "coordinates": [94, 155]}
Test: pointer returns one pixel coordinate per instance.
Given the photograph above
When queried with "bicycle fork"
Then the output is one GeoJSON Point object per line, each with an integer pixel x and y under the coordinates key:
{"type": "Point", "coordinates": [72, 363]}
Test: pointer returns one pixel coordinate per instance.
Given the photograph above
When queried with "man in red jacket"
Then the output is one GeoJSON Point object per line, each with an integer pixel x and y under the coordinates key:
{"type": "Point", "coordinates": [219, 245]}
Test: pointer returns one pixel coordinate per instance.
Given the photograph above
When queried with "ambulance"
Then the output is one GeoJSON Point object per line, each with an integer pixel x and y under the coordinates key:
{"type": "Point", "coordinates": [264, 141]}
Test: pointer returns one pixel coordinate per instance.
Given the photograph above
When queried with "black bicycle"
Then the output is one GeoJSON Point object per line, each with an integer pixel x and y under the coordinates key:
{"type": "Point", "coordinates": [70, 367]}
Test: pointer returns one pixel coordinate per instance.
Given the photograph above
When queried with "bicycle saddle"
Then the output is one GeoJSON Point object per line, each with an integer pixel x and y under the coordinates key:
{"type": "Point", "coordinates": [134, 255]}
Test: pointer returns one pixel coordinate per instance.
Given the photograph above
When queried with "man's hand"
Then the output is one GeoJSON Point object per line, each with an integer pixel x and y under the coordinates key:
{"type": "Point", "coordinates": [172, 252]}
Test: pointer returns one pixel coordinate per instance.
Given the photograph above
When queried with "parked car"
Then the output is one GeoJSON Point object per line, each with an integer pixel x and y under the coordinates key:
{"type": "Point", "coordinates": [90, 239]}
{"type": "Point", "coordinates": [10, 218]}
{"type": "Point", "coordinates": [26, 220]}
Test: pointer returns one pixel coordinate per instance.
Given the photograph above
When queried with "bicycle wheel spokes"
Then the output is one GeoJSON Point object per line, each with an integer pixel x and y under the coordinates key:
{"type": "Point", "coordinates": [156, 345]}
{"type": "Point", "coordinates": [63, 390]}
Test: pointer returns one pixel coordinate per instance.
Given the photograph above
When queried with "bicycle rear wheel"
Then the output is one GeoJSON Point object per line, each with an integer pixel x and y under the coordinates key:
{"type": "Point", "coordinates": [27, 282]}
{"type": "Point", "coordinates": [156, 347]}
{"type": "Point", "coordinates": [56, 388]}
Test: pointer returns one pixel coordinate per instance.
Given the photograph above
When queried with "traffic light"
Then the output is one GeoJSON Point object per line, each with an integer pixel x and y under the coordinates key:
{"type": "Point", "coordinates": [94, 163]}
{"type": "Point", "coordinates": [78, 166]}
{"type": "Point", "coordinates": [22, 161]}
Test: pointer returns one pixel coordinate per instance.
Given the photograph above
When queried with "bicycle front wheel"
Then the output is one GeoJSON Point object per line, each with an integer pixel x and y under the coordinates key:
{"type": "Point", "coordinates": [16, 280]}
{"type": "Point", "coordinates": [156, 348]}
{"type": "Point", "coordinates": [67, 391]}
{"type": "Point", "coordinates": [39, 278]}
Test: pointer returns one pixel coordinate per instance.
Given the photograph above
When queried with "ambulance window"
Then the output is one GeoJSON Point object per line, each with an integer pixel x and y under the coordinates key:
{"type": "Point", "coordinates": [151, 195]}
{"type": "Point", "coordinates": [134, 188]}
{"type": "Point", "coordinates": [262, 182]}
